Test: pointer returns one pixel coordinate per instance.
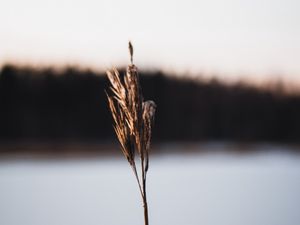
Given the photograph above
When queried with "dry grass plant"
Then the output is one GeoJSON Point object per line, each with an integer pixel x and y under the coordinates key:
{"type": "Point", "coordinates": [133, 121]}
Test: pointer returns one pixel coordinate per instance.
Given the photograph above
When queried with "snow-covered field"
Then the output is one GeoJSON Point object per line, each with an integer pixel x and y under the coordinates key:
{"type": "Point", "coordinates": [261, 188]}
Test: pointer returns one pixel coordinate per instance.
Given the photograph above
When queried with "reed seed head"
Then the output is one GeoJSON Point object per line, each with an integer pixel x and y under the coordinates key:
{"type": "Point", "coordinates": [133, 117]}
{"type": "Point", "coordinates": [133, 121]}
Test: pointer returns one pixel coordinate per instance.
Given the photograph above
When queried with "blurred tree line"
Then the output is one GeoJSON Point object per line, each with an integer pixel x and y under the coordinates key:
{"type": "Point", "coordinates": [47, 104]}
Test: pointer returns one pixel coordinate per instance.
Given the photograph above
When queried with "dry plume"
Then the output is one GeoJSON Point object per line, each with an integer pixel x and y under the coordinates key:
{"type": "Point", "coordinates": [133, 121]}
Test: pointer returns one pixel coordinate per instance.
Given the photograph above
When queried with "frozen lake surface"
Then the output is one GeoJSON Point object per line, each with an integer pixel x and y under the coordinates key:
{"type": "Point", "coordinates": [261, 188]}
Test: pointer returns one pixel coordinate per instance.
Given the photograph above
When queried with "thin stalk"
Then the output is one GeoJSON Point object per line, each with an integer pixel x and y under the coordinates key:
{"type": "Point", "coordinates": [145, 204]}
{"type": "Point", "coordinates": [138, 180]}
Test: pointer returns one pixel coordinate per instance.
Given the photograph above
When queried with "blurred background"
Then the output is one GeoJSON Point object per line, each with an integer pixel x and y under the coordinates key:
{"type": "Point", "coordinates": [224, 76]}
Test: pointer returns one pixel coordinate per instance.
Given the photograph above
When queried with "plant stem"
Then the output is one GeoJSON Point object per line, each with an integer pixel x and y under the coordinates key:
{"type": "Point", "coordinates": [137, 179]}
{"type": "Point", "coordinates": [145, 211]}
{"type": "Point", "coordinates": [145, 204]}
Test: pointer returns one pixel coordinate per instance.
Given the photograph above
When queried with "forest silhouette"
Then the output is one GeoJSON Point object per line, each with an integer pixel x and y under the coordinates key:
{"type": "Point", "coordinates": [70, 104]}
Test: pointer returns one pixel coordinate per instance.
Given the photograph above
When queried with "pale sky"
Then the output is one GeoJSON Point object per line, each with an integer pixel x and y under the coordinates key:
{"type": "Point", "coordinates": [231, 38]}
